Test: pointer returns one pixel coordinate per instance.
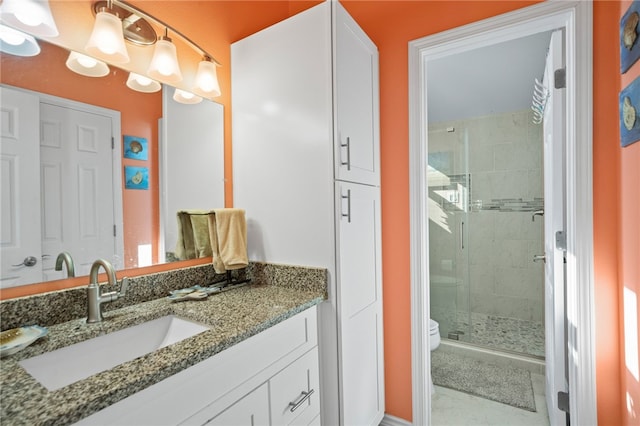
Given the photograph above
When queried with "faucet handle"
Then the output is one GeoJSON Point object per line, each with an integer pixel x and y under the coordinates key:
{"type": "Point", "coordinates": [124, 284]}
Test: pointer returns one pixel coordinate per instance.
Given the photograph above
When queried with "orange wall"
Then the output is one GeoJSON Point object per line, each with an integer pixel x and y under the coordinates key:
{"type": "Point", "coordinates": [404, 21]}
{"type": "Point", "coordinates": [140, 114]}
{"type": "Point", "coordinates": [629, 250]}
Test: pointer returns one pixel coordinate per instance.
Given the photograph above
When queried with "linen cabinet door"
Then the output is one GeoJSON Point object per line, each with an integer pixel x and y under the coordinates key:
{"type": "Point", "coordinates": [359, 294]}
{"type": "Point", "coordinates": [252, 410]}
{"type": "Point", "coordinates": [356, 80]}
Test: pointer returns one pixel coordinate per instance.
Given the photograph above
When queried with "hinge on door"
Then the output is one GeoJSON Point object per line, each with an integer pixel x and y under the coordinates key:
{"type": "Point", "coordinates": [561, 240]}
{"type": "Point", "coordinates": [563, 401]}
{"type": "Point", "coordinates": [114, 230]}
{"type": "Point", "coordinates": [113, 143]}
{"type": "Point", "coordinates": [560, 78]}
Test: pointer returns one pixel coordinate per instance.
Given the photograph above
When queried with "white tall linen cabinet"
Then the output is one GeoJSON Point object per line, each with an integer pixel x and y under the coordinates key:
{"type": "Point", "coordinates": [305, 114]}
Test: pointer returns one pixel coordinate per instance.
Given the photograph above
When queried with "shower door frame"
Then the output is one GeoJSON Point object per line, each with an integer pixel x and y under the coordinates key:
{"type": "Point", "coordinates": [576, 18]}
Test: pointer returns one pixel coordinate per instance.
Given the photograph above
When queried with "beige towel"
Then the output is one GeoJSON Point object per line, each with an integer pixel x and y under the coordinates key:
{"type": "Point", "coordinates": [193, 234]}
{"type": "Point", "coordinates": [228, 233]}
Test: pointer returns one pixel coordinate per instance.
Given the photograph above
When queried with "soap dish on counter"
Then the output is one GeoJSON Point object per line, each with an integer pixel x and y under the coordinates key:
{"type": "Point", "coordinates": [16, 339]}
{"type": "Point", "coordinates": [192, 293]}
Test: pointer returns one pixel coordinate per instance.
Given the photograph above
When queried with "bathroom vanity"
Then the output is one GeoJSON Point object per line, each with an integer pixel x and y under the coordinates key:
{"type": "Point", "coordinates": [258, 358]}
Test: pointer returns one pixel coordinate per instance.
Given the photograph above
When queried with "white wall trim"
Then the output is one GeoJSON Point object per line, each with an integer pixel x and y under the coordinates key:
{"type": "Point", "coordinates": [576, 17]}
{"type": "Point", "coordinates": [389, 420]}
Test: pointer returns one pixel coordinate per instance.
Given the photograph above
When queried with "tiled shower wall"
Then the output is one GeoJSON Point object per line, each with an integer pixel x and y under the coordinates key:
{"type": "Point", "coordinates": [505, 177]}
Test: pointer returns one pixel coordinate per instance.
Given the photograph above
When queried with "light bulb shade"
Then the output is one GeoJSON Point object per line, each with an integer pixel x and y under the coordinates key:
{"type": "Point", "coordinates": [107, 40]}
{"type": "Point", "coordinates": [164, 64]}
{"type": "Point", "coordinates": [207, 80]}
{"type": "Point", "coordinates": [143, 84]}
{"type": "Point", "coordinates": [87, 66]}
{"type": "Point", "coordinates": [185, 97]}
{"type": "Point", "coordinates": [17, 43]}
{"type": "Point", "coordinates": [32, 16]}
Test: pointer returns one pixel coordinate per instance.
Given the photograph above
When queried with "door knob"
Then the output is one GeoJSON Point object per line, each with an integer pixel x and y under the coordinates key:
{"type": "Point", "coordinates": [28, 261]}
{"type": "Point", "coordinates": [539, 257]}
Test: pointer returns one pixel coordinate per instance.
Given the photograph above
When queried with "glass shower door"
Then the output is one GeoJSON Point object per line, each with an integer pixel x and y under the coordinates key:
{"type": "Point", "coordinates": [448, 182]}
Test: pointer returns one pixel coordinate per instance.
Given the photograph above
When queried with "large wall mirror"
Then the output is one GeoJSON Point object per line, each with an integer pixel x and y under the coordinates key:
{"type": "Point", "coordinates": [183, 167]}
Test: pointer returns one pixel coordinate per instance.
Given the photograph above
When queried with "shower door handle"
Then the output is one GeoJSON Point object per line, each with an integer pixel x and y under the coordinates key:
{"type": "Point", "coordinates": [462, 235]}
{"type": "Point", "coordinates": [539, 258]}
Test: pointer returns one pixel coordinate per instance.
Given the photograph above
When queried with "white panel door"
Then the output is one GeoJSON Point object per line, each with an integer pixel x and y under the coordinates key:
{"type": "Point", "coordinates": [20, 186]}
{"type": "Point", "coordinates": [360, 304]}
{"type": "Point", "coordinates": [77, 187]}
{"type": "Point", "coordinates": [554, 221]}
{"type": "Point", "coordinates": [356, 81]}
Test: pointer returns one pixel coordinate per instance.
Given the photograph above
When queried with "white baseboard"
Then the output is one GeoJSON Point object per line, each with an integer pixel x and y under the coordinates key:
{"type": "Point", "coordinates": [389, 420]}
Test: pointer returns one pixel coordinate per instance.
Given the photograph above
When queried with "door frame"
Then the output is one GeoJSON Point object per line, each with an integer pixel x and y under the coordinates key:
{"type": "Point", "coordinates": [576, 17]}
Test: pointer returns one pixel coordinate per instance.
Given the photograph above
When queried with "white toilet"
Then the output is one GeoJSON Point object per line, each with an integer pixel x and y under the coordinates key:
{"type": "Point", "coordinates": [434, 342]}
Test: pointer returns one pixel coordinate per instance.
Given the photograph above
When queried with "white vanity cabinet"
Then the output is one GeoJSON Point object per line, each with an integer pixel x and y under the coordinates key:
{"type": "Point", "coordinates": [255, 382]}
{"type": "Point", "coordinates": [306, 170]}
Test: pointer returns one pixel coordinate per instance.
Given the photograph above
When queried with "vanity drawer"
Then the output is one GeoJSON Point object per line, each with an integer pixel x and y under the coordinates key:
{"type": "Point", "coordinates": [253, 409]}
{"type": "Point", "coordinates": [295, 392]}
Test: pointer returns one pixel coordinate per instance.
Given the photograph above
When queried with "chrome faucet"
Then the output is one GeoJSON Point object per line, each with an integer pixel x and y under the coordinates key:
{"type": "Point", "coordinates": [94, 298]}
{"type": "Point", "coordinates": [68, 261]}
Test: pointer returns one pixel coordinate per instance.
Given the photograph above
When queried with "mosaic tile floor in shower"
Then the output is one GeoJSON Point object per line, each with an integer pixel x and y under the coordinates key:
{"type": "Point", "coordinates": [494, 332]}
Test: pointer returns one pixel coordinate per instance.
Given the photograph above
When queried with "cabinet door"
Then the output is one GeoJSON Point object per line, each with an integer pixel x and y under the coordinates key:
{"type": "Point", "coordinates": [357, 102]}
{"type": "Point", "coordinates": [359, 298]}
{"type": "Point", "coordinates": [252, 410]}
{"type": "Point", "coordinates": [295, 392]}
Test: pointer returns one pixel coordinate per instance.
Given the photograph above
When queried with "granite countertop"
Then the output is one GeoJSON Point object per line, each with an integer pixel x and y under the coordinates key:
{"type": "Point", "coordinates": [233, 316]}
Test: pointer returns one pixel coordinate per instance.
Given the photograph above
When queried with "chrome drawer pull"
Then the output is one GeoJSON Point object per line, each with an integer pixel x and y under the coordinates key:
{"type": "Point", "coordinates": [305, 395]}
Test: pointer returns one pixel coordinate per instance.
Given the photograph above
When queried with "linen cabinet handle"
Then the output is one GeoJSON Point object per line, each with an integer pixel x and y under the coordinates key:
{"type": "Point", "coordinates": [348, 146]}
{"type": "Point", "coordinates": [348, 198]}
{"type": "Point", "coordinates": [304, 396]}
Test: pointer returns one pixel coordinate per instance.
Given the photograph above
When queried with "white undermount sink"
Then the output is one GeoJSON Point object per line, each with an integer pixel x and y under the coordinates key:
{"type": "Point", "coordinates": [59, 368]}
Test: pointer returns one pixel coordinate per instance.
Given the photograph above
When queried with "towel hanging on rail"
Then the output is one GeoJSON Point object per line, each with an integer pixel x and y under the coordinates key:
{"type": "Point", "coordinates": [193, 234]}
{"type": "Point", "coordinates": [220, 233]}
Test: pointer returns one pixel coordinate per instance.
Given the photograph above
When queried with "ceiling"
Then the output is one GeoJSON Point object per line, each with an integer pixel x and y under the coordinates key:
{"type": "Point", "coordinates": [485, 81]}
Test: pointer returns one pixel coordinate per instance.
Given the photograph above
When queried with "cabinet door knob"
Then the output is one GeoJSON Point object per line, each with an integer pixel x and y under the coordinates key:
{"type": "Point", "coordinates": [348, 146]}
{"type": "Point", "coordinates": [348, 198]}
{"type": "Point", "coordinates": [303, 397]}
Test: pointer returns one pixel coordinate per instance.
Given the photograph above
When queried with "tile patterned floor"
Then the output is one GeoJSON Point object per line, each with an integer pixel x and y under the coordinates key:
{"type": "Point", "coordinates": [511, 334]}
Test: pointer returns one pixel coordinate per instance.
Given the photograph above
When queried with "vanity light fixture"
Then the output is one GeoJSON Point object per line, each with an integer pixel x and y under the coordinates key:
{"type": "Point", "coordinates": [32, 16]}
{"type": "Point", "coordinates": [185, 97]}
{"type": "Point", "coordinates": [207, 79]}
{"type": "Point", "coordinates": [164, 64]}
{"type": "Point", "coordinates": [141, 83]}
{"type": "Point", "coordinates": [17, 43]}
{"type": "Point", "coordinates": [107, 38]}
{"type": "Point", "coordinates": [85, 65]}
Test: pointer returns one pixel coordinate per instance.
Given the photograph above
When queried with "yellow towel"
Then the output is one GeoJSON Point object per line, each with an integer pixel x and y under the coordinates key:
{"type": "Point", "coordinates": [193, 234]}
{"type": "Point", "coordinates": [228, 233]}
